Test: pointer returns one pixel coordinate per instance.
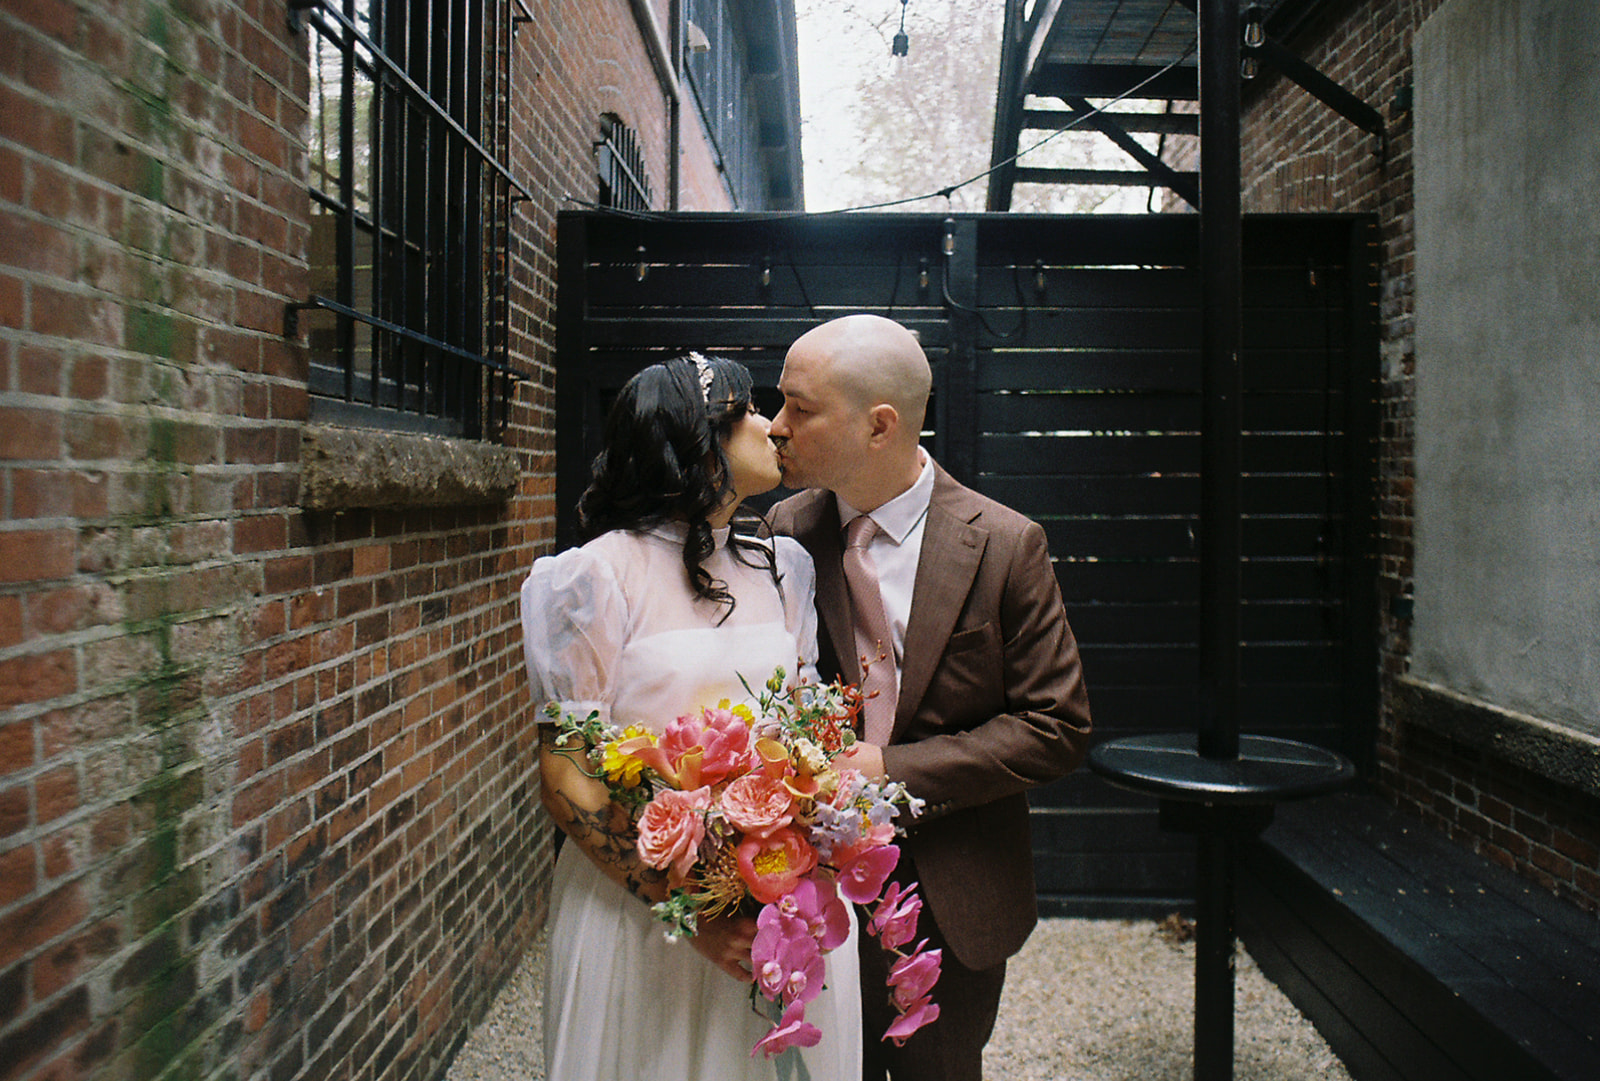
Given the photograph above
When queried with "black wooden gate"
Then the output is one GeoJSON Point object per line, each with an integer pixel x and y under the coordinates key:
{"type": "Point", "coordinates": [1066, 364]}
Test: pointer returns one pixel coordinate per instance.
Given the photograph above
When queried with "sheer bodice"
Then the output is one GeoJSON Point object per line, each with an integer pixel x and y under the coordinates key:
{"type": "Point", "coordinates": [612, 626]}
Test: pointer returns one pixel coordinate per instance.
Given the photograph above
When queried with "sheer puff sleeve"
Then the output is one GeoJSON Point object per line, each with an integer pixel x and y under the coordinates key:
{"type": "Point", "coordinates": [574, 617]}
{"type": "Point", "coordinates": [799, 601]}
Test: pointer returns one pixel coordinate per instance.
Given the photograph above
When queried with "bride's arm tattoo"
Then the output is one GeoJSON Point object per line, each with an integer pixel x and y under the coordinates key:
{"type": "Point", "coordinates": [608, 837]}
{"type": "Point", "coordinates": [601, 828]}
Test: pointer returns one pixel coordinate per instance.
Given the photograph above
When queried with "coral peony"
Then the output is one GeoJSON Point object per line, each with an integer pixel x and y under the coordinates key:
{"type": "Point", "coordinates": [772, 865]}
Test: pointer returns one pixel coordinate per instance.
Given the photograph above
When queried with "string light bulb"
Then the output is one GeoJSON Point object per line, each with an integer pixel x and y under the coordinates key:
{"type": "Point", "coordinates": [902, 42]}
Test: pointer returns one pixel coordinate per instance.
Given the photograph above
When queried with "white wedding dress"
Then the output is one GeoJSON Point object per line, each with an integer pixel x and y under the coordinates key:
{"type": "Point", "coordinates": [612, 626]}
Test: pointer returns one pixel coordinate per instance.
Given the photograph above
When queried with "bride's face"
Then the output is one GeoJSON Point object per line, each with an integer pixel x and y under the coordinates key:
{"type": "Point", "coordinates": [752, 459]}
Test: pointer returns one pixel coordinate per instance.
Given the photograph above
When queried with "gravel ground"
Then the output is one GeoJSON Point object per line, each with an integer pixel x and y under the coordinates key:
{"type": "Point", "coordinates": [1085, 1000]}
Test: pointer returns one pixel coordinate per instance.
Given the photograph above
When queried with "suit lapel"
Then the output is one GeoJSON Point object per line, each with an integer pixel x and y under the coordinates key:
{"type": "Point", "coordinates": [952, 548]}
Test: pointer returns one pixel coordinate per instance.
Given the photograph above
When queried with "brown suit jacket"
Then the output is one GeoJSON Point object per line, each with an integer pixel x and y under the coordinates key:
{"type": "Point", "coordinates": [991, 703]}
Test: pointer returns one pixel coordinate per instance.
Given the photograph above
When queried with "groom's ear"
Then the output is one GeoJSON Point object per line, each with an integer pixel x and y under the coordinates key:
{"type": "Point", "coordinates": [885, 422]}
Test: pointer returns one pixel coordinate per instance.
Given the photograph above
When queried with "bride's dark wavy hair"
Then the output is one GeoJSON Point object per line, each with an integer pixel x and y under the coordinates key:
{"type": "Point", "coordinates": [662, 460]}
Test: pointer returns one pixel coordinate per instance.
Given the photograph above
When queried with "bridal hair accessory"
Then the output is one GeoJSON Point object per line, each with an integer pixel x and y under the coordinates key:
{"type": "Point", "coordinates": [703, 367]}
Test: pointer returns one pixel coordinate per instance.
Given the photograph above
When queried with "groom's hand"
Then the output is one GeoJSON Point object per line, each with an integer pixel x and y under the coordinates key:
{"type": "Point", "coordinates": [866, 757]}
{"type": "Point", "coordinates": [725, 942]}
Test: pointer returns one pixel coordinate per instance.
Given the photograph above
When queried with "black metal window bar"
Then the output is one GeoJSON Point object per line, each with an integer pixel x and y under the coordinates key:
{"type": "Point", "coordinates": [623, 181]}
{"type": "Point", "coordinates": [409, 314]}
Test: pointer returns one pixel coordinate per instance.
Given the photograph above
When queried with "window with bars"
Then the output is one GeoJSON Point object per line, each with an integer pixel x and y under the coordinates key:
{"type": "Point", "coordinates": [624, 183]}
{"type": "Point", "coordinates": [407, 321]}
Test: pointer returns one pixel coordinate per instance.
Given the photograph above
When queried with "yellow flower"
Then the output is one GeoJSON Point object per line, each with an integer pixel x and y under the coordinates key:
{"type": "Point", "coordinates": [622, 768]}
{"type": "Point", "coordinates": [741, 711]}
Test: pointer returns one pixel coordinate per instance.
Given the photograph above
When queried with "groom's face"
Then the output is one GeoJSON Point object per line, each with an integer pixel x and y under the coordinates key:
{"type": "Point", "coordinates": [821, 432]}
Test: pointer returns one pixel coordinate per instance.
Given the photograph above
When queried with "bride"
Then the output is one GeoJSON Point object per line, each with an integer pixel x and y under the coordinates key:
{"type": "Point", "coordinates": [656, 615]}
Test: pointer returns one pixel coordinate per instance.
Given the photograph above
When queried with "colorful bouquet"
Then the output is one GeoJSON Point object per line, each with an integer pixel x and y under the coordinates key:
{"type": "Point", "coordinates": [745, 807]}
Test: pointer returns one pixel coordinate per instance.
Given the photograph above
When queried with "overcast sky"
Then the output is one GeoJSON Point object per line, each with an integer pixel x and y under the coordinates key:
{"type": "Point", "coordinates": [840, 41]}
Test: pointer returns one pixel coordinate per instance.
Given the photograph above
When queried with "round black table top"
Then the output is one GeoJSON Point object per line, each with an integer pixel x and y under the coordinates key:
{"type": "Point", "coordinates": [1267, 770]}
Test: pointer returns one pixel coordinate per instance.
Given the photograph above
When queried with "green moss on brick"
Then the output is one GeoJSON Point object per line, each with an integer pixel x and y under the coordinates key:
{"type": "Point", "coordinates": [148, 330]}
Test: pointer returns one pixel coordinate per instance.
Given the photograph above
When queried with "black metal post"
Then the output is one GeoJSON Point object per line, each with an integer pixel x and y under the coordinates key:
{"type": "Point", "coordinates": [1213, 963]}
{"type": "Point", "coordinates": [1220, 377]}
{"type": "Point", "coordinates": [1221, 467]}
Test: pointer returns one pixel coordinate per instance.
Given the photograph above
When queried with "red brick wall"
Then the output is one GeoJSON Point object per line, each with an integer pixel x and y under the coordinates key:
{"type": "Point", "coordinates": [268, 802]}
{"type": "Point", "coordinates": [1298, 154]}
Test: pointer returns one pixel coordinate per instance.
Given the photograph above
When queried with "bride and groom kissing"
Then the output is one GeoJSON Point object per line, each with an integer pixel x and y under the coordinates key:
{"type": "Point", "coordinates": [884, 571]}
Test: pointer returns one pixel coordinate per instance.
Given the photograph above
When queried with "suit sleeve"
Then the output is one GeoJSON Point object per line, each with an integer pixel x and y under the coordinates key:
{"type": "Point", "coordinates": [1012, 710]}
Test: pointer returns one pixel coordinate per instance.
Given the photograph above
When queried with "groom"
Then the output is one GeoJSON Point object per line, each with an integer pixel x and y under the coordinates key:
{"type": "Point", "coordinates": [952, 598]}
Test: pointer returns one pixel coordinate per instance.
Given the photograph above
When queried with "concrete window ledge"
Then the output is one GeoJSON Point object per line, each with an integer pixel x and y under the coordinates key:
{"type": "Point", "coordinates": [1566, 755]}
{"type": "Point", "coordinates": [345, 468]}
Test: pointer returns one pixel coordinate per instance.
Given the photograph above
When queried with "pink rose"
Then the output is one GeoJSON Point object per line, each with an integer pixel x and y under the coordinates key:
{"type": "Point", "coordinates": [772, 865]}
{"type": "Point", "coordinates": [671, 829]}
{"type": "Point", "coordinates": [757, 804]}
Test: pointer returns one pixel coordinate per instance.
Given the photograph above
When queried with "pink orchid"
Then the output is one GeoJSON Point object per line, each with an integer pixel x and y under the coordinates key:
{"type": "Point", "coordinates": [785, 959]}
{"type": "Point", "coordinates": [792, 1030]}
{"type": "Point", "coordinates": [861, 878]}
{"type": "Point", "coordinates": [923, 1012]}
{"type": "Point", "coordinates": [771, 866]}
{"type": "Point", "coordinates": [913, 977]}
{"type": "Point", "coordinates": [895, 919]}
{"type": "Point", "coordinates": [670, 831]}
{"type": "Point", "coordinates": [816, 902]}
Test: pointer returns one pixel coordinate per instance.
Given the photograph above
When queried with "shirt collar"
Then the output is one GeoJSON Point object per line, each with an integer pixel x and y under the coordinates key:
{"type": "Point", "coordinates": [898, 517]}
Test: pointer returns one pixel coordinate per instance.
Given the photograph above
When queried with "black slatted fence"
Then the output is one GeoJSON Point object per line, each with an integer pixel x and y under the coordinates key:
{"type": "Point", "coordinates": [1066, 384]}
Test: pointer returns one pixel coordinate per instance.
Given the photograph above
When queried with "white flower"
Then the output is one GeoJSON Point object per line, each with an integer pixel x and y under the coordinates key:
{"type": "Point", "coordinates": [809, 756]}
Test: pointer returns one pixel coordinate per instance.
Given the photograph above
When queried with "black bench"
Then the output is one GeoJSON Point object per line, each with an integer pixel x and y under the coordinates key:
{"type": "Point", "coordinates": [1417, 959]}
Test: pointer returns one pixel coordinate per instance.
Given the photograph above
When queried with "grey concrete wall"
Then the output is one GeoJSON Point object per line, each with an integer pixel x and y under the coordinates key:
{"type": "Point", "coordinates": [1507, 159]}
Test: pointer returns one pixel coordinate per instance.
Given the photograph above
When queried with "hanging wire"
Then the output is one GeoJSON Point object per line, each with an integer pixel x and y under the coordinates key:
{"type": "Point", "coordinates": [648, 215]}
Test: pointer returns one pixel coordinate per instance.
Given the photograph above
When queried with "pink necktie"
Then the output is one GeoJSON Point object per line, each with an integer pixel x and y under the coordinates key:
{"type": "Point", "coordinates": [872, 632]}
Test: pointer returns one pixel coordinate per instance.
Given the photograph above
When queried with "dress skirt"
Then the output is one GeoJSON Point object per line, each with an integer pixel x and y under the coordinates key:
{"type": "Point", "coordinates": [622, 1003]}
